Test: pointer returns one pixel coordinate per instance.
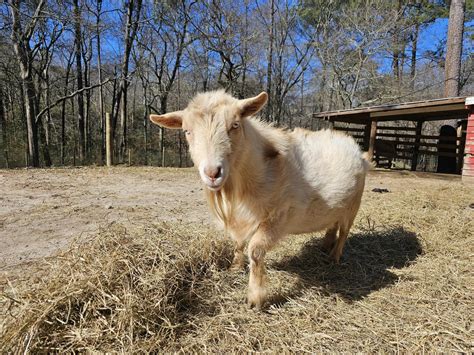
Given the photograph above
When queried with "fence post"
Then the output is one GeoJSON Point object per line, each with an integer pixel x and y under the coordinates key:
{"type": "Point", "coordinates": [414, 158]}
{"type": "Point", "coordinates": [373, 134]}
{"type": "Point", "coordinates": [108, 139]}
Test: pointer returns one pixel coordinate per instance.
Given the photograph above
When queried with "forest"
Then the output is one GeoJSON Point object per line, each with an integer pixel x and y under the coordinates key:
{"type": "Point", "coordinates": [66, 64]}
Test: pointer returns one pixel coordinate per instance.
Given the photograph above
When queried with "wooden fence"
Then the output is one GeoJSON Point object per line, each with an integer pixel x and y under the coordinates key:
{"type": "Point", "coordinates": [409, 143]}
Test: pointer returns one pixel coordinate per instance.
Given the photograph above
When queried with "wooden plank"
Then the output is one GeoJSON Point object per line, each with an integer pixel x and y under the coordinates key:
{"type": "Point", "coordinates": [396, 128]}
{"type": "Point", "coordinates": [439, 154]}
{"type": "Point", "coordinates": [357, 136]}
{"type": "Point", "coordinates": [421, 136]}
{"type": "Point", "coordinates": [349, 129]}
{"type": "Point", "coordinates": [469, 159]}
{"type": "Point", "coordinates": [402, 157]}
{"type": "Point", "coordinates": [419, 109]}
{"type": "Point", "coordinates": [423, 144]}
{"type": "Point", "coordinates": [395, 107]}
{"type": "Point", "coordinates": [431, 152]}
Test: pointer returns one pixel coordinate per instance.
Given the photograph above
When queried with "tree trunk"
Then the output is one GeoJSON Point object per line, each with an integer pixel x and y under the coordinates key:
{"type": "Point", "coordinates": [397, 53]}
{"type": "Point", "coordinates": [130, 34]}
{"type": "Point", "coordinates": [163, 107]}
{"type": "Point", "coordinates": [145, 123]}
{"type": "Point", "coordinates": [24, 53]}
{"type": "Point", "coordinates": [3, 128]}
{"type": "Point", "coordinates": [269, 112]}
{"type": "Point", "coordinates": [414, 48]}
{"type": "Point", "coordinates": [101, 91]}
{"type": "Point", "coordinates": [87, 104]}
{"type": "Point", "coordinates": [80, 96]}
{"type": "Point", "coordinates": [454, 48]}
{"type": "Point", "coordinates": [63, 109]}
{"type": "Point", "coordinates": [32, 129]}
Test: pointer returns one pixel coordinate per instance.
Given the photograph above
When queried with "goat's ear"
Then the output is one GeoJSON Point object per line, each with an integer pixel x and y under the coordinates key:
{"type": "Point", "coordinates": [173, 120]}
{"type": "Point", "coordinates": [249, 107]}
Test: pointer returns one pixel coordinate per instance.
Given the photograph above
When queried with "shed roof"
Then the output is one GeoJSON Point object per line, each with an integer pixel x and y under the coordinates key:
{"type": "Point", "coordinates": [428, 110]}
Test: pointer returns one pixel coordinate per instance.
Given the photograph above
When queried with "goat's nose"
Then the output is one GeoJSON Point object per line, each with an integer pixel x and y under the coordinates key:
{"type": "Point", "coordinates": [213, 172]}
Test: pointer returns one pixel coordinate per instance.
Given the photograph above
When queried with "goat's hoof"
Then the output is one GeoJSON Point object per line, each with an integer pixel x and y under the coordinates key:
{"type": "Point", "coordinates": [256, 299]}
{"type": "Point", "coordinates": [335, 256]}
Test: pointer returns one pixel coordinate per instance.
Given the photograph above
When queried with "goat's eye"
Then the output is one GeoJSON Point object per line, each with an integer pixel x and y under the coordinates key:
{"type": "Point", "coordinates": [235, 125]}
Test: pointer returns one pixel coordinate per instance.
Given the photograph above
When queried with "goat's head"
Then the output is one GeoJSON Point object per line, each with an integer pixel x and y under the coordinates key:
{"type": "Point", "coordinates": [214, 125]}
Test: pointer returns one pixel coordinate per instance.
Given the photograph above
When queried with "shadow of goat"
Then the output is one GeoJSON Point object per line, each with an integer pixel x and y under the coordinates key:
{"type": "Point", "coordinates": [363, 268]}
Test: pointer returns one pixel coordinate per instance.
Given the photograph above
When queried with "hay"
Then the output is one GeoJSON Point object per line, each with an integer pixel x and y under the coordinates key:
{"type": "Point", "coordinates": [404, 284]}
{"type": "Point", "coordinates": [122, 290]}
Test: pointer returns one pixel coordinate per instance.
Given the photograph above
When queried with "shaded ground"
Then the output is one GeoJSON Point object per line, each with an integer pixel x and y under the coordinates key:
{"type": "Point", "coordinates": [404, 283]}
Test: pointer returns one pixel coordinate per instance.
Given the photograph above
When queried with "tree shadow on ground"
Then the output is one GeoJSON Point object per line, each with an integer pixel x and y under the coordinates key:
{"type": "Point", "coordinates": [363, 268]}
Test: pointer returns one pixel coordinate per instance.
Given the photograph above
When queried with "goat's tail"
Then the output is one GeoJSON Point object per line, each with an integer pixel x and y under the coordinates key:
{"type": "Point", "coordinates": [368, 162]}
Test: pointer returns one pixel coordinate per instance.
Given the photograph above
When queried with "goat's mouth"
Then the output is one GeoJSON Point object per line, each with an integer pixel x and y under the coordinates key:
{"type": "Point", "coordinates": [213, 176]}
{"type": "Point", "coordinates": [214, 185]}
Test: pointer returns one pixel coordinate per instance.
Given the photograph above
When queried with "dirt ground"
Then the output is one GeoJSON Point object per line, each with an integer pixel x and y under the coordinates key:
{"type": "Point", "coordinates": [41, 211]}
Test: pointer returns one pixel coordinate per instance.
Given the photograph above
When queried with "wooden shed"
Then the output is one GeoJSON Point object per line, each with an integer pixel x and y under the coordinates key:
{"type": "Point", "coordinates": [390, 132]}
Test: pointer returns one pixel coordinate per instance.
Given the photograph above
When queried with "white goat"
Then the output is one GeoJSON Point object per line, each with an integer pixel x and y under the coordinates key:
{"type": "Point", "coordinates": [264, 183]}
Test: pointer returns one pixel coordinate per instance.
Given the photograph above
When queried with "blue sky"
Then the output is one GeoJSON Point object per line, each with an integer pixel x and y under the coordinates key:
{"type": "Point", "coordinates": [429, 39]}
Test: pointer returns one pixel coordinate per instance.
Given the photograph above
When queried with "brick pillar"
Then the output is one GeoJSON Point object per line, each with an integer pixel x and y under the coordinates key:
{"type": "Point", "coordinates": [468, 167]}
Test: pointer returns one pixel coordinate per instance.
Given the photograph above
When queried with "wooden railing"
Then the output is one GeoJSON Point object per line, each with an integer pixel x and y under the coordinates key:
{"type": "Point", "coordinates": [409, 142]}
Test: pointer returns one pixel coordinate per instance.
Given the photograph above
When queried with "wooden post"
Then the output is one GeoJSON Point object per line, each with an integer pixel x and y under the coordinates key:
{"type": "Point", "coordinates": [129, 157]}
{"type": "Point", "coordinates": [373, 134]}
{"type": "Point", "coordinates": [414, 158]}
{"type": "Point", "coordinates": [108, 139]}
{"type": "Point", "coordinates": [367, 137]}
{"type": "Point", "coordinates": [330, 124]}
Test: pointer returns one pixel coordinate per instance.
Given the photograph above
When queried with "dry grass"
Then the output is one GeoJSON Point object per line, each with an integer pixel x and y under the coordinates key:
{"type": "Point", "coordinates": [405, 284]}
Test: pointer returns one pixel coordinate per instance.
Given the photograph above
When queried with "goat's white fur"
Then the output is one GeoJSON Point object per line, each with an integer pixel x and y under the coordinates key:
{"type": "Point", "coordinates": [274, 182]}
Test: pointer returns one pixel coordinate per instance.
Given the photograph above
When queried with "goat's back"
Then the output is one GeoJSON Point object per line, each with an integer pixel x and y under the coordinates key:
{"type": "Point", "coordinates": [330, 163]}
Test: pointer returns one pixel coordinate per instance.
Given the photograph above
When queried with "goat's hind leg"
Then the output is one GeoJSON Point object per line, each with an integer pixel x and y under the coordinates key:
{"type": "Point", "coordinates": [330, 238]}
{"type": "Point", "coordinates": [344, 228]}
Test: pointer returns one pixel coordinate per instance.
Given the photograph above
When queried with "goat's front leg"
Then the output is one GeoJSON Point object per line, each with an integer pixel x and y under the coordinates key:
{"type": "Point", "coordinates": [238, 263]}
{"type": "Point", "coordinates": [259, 245]}
{"type": "Point", "coordinates": [240, 236]}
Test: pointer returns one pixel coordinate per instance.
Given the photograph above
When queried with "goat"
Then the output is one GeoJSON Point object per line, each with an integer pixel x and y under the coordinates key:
{"type": "Point", "coordinates": [263, 182]}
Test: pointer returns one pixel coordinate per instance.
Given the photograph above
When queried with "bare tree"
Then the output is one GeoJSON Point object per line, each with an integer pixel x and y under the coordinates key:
{"type": "Point", "coordinates": [79, 80]}
{"type": "Point", "coordinates": [133, 10]}
{"type": "Point", "coordinates": [21, 36]}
